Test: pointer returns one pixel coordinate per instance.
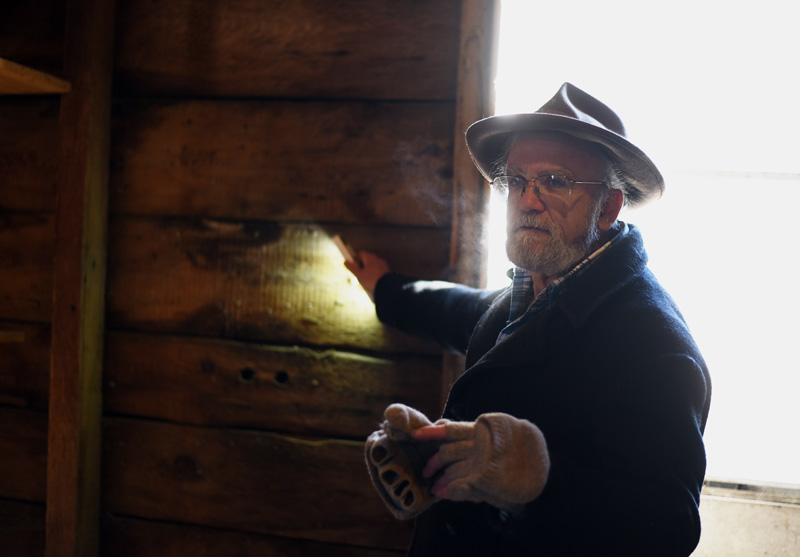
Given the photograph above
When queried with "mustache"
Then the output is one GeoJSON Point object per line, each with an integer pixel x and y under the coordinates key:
{"type": "Point", "coordinates": [534, 221]}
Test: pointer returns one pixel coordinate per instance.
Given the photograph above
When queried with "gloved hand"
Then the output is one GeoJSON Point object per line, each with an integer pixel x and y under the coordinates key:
{"type": "Point", "coordinates": [498, 459]}
{"type": "Point", "coordinates": [395, 461]}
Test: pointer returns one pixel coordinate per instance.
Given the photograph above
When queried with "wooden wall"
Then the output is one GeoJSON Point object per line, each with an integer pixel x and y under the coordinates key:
{"type": "Point", "coordinates": [28, 168]}
{"type": "Point", "coordinates": [243, 365]}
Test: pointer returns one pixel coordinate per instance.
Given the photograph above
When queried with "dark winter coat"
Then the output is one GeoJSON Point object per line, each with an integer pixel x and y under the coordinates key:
{"type": "Point", "coordinates": [612, 377]}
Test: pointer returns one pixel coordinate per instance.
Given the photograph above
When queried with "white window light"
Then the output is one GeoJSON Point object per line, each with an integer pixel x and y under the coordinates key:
{"type": "Point", "coordinates": [709, 93]}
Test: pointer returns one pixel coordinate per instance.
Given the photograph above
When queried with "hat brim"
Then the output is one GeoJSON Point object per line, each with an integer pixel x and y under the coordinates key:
{"type": "Point", "coordinates": [487, 138]}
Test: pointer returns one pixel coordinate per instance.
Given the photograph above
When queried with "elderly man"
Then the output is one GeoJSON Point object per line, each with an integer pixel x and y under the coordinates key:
{"type": "Point", "coordinates": [576, 428]}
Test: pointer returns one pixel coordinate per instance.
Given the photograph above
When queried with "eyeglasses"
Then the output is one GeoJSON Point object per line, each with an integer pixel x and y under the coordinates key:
{"type": "Point", "coordinates": [547, 185]}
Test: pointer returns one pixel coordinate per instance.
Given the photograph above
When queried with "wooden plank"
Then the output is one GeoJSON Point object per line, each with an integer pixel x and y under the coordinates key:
{"type": "Point", "coordinates": [73, 468]}
{"type": "Point", "coordinates": [26, 273]}
{"type": "Point", "coordinates": [383, 163]}
{"type": "Point", "coordinates": [21, 529]}
{"type": "Point", "coordinates": [23, 454]}
{"type": "Point", "coordinates": [395, 49]}
{"type": "Point", "coordinates": [313, 489]}
{"type": "Point", "coordinates": [25, 366]}
{"type": "Point", "coordinates": [287, 389]}
{"type": "Point", "coordinates": [125, 537]}
{"type": "Point", "coordinates": [7, 337]}
{"type": "Point", "coordinates": [475, 100]}
{"type": "Point", "coordinates": [16, 79]}
{"type": "Point", "coordinates": [28, 153]}
{"type": "Point", "coordinates": [268, 282]}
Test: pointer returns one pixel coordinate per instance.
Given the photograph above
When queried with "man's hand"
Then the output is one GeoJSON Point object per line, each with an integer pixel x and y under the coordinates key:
{"type": "Point", "coordinates": [368, 268]}
{"type": "Point", "coordinates": [498, 459]}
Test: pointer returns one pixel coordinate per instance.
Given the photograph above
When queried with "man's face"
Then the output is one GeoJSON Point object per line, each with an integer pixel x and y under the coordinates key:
{"type": "Point", "coordinates": [548, 236]}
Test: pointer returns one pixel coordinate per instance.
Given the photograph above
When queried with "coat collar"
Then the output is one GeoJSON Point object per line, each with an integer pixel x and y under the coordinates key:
{"type": "Point", "coordinates": [622, 263]}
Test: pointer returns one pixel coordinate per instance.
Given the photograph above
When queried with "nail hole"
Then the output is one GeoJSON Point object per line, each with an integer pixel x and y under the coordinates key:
{"type": "Point", "coordinates": [247, 374]}
{"type": "Point", "coordinates": [282, 377]}
{"type": "Point", "coordinates": [389, 477]}
{"type": "Point", "coordinates": [409, 498]}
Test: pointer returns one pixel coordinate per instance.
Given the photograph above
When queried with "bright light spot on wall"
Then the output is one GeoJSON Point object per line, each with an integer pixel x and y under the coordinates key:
{"type": "Point", "coordinates": [716, 112]}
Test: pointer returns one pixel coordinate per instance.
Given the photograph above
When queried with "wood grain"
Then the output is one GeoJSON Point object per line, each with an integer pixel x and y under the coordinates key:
{"type": "Point", "coordinates": [126, 537]}
{"type": "Point", "coordinates": [480, 21]}
{"type": "Point", "coordinates": [28, 154]}
{"type": "Point", "coordinates": [304, 488]}
{"type": "Point", "coordinates": [26, 272]}
{"type": "Point", "coordinates": [286, 389]}
{"type": "Point", "coordinates": [266, 282]}
{"type": "Point", "coordinates": [79, 272]}
{"type": "Point", "coordinates": [23, 454]}
{"type": "Point", "coordinates": [395, 49]}
{"type": "Point", "coordinates": [381, 163]}
{"type": "Point", "coordinates": [25, 366]}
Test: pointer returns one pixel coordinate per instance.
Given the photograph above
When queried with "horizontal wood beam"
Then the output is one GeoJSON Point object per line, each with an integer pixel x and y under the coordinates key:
{"type": "Point", "coordinates": [12, 336]}
{"type": "Point", "coordinates": [300, 487]}
{"type": "Point", "coordinates": [259, 281]}
{"type": "Point", "coordinates": [218, 383]}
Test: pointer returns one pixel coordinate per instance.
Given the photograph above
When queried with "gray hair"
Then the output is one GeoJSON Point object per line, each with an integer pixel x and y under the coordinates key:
{"type": "Point", "coordinates": [500, 165]}
{"type": "Point", "coordinates": [617, 180]}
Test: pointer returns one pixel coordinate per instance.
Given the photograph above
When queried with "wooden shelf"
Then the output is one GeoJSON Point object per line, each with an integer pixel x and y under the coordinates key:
{"type": "Point", "coordinates": [21, 80]}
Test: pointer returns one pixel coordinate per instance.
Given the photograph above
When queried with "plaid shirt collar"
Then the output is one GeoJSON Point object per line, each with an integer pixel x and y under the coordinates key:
{"type": "Point", "coordinates": [522, 302]}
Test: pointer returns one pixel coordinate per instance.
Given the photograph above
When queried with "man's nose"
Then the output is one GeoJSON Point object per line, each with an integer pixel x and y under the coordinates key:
{"type": "Point", "coordinates": [530, 200]}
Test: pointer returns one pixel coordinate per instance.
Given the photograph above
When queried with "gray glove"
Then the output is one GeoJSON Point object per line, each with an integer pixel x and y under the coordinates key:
{"type": "Point", "coordinates": [395, 461]}
{"type": "Point", "coordinates": [498, 459]}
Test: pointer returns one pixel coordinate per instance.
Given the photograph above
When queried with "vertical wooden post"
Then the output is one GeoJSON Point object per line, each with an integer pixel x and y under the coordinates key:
{"type": "Point", "coordinates": [73, 460]}
{"type": "Point", "coordinates": [474, 100]}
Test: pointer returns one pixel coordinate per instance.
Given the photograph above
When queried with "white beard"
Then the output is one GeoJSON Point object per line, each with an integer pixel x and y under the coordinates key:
{"type": "Point", "coordinates": [555, 256]}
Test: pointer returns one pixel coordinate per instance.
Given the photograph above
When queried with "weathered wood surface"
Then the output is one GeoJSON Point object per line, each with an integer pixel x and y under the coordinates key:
{"type": "Point", "coordinates": [314, 489]}
{"type": "Point", "coordinates": [25, 366]}
{"type": "Point", "coordinates": [126, 537]}
{"type": "Point", "coordinates": [268, 282]}
{"type": "Point", "coordinates": [475, 100]}
{"type": "Point", "coordinates": [288, 389]}
{"type": "Point", "coordinates": [382, 163]}
{"type": "Point", "coordinates": [23, 454]}
{"type": "Point", "coordinates": [79, 272]}
{"type": "Point", "coordinates": [396, 49]}
{"type": "Point", "coordinates": [26, 272]}
{"type": "Point", "coordinates": [28, 154]}
{"type": "Point", "coordinates": [21, 529]}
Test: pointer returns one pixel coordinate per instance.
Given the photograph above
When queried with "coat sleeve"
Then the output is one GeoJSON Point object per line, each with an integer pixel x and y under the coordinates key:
{"type": "Point", "coordinates": [438, 311]}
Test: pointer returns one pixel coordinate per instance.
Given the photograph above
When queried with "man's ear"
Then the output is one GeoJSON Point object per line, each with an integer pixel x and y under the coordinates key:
{"type": "Point", "coordinates": [611, 209]}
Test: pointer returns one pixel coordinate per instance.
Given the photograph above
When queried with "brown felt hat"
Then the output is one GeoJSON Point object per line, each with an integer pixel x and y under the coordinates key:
{"type": "Point", "coordinates": [574, 112]}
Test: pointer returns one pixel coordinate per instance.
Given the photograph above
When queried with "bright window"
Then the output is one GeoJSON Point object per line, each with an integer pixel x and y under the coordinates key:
{"type": "Point", "coordinates": [709, 91]}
